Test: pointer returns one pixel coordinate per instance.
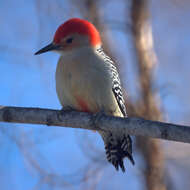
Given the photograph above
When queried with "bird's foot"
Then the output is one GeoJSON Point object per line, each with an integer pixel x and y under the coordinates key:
{"type": "Point", "coordinates": [97, 117]}
{"type": "Point", "coordinates": [66, 109]}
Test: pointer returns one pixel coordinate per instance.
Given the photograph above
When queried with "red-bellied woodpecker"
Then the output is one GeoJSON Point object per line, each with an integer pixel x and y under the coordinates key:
{"type": "Point", "coordinates": [87, 80]}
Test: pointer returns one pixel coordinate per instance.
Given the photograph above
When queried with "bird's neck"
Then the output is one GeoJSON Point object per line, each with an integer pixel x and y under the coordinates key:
{"type": "Point", "coordinates": [79, 52]}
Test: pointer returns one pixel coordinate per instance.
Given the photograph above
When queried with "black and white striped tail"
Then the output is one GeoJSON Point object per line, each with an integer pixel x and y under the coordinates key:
{"type": "Point", "coordinates": [117, 149]}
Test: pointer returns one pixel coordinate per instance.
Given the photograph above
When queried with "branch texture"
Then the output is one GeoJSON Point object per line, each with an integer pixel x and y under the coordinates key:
{"type": "Point", "coordinates": [74, 119]}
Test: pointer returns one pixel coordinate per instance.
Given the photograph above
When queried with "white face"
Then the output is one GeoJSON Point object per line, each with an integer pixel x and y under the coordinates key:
{"type": "Point", "coordinates": [73, 41]}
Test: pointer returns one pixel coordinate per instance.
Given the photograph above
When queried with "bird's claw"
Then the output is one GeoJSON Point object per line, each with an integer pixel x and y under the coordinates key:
{"type": "Point", "coordinates": [97, 117]}
{"type": "Point", "coordinates": [67, 109]}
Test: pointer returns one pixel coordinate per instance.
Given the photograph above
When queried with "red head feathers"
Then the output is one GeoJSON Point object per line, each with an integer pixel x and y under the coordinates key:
{"type": "Point", "coordinates": [79, 26]}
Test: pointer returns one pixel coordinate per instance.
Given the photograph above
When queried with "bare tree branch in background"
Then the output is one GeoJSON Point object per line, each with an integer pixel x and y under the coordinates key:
{"type": "Point", "coordinates": [146, 59]}
{"type": "Point", "coordinates": [91, 12]}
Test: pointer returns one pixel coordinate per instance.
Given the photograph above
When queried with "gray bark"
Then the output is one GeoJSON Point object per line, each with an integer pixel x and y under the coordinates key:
{"type": "Point", "coordinates": [74, 119]}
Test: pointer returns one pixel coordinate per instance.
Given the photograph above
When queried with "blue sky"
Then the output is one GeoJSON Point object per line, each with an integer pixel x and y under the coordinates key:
{"type": "Point", "coordinates": [28, 80]}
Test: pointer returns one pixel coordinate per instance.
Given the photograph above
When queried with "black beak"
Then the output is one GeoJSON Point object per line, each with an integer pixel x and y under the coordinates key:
{"type": "Point", "coordinates": [47, 48]}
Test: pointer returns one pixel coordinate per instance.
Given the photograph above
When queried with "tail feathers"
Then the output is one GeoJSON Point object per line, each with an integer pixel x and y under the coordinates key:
{"type": "Point", "coordinates": [117, 150]}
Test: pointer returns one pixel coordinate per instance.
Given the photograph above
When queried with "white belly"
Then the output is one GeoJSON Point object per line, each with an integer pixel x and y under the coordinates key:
{"type": "Point", "coordinates": [84, 89]}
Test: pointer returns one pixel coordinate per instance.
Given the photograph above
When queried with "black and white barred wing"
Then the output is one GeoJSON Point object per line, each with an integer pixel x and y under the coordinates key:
{"type": "Point", "coordinates": [117, 148]}
{"type": "Point", "coordinates": [116, 87]}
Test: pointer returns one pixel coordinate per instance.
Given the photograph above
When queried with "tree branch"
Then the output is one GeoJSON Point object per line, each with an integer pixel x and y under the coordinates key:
{"type": "Point", "coordinates": [74, 119]}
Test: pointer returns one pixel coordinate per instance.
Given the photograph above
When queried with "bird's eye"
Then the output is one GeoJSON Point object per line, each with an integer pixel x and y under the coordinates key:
{"type": "Point", "coordinates": [69, 40]}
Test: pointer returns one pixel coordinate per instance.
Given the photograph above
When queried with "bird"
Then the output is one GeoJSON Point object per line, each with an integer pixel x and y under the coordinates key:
{"type": "Point", "coordinates": [87, 80]}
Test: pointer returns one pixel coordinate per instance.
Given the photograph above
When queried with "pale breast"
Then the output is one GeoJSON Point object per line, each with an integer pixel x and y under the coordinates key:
{"type": "Point", "coordinates": [85, 89]}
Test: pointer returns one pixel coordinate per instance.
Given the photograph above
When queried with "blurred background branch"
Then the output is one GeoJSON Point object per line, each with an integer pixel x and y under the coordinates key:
{"type": "Point", "coordinates": [146, 59]}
